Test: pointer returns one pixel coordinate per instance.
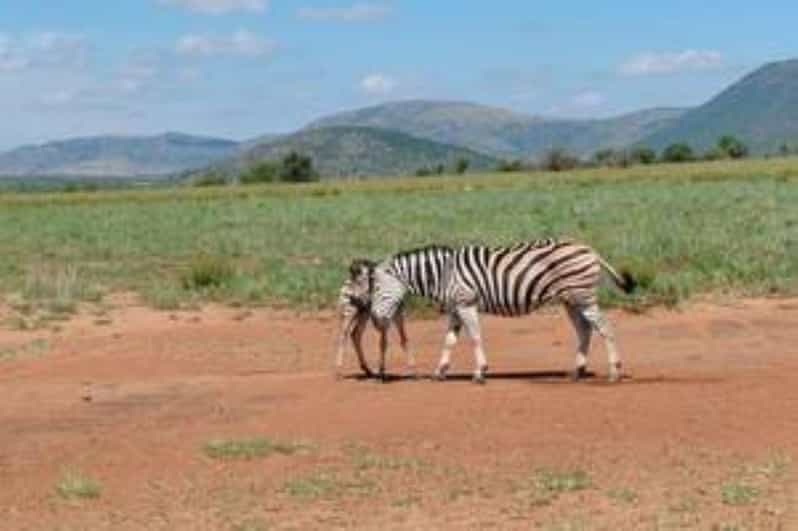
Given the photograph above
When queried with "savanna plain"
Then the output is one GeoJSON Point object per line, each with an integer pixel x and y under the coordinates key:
{"type": "Point", "coordinates": [165, 359]}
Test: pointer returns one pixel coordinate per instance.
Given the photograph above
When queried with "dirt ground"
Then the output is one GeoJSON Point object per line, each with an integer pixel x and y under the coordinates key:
{"type": "Point", "coordinates": [704, 435]}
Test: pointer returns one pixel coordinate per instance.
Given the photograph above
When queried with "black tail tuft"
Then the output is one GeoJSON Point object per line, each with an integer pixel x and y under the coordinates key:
{"type": "Point", "coordinates": [629, 283]}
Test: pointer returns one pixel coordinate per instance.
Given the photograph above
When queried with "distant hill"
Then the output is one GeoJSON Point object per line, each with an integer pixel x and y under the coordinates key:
{"type": "Point", "coordinates": [115, 156]}
{"type": "Point", "coordinates": [359, 151]}
{"type": "Point", "coordinates": [501, 132]}
{"type": "Point", "coordinates": [761, 109]}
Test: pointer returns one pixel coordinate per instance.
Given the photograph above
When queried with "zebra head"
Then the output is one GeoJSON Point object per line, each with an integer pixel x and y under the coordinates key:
{"type": "Point", "coordinates": [361, 280]}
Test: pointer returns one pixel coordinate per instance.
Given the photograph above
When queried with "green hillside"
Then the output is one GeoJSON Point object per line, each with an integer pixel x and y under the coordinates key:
{"type": "Point", "coordinates": [361, 151]}
{"type": "Point", "coordinates": [761, 109]}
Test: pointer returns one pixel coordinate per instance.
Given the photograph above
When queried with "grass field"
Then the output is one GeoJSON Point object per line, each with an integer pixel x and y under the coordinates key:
{"type": "Point", "coordinates": [723, 227]}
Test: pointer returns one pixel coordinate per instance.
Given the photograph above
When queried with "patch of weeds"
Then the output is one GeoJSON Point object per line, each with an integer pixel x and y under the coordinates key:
{"type": "Point", "coordinates": [365, 459]}
{"type": "Point", "coordinates": [34, 349]}
{"type": "Point", "coordinates": [728, 527]}
{"type": "Point", "coordinates": [75, 486]}
{"type": "Point", "coordinates": [322, 484]}
{"type": "Point", "coordinates": [207, 272]}
{"type": "Point", "coordinates": [738, 493]}
{"type": "Point", "coordinates": [254, 524]}
{"type": "Point", "coordinates": [556, 482]}
{"type": "Point", "coordinates": [58, 290]}
{"type": "Point", "coordinates": [623, 494]}
{"type": "Point", "coordinates": [164, 297]}
{"type": "Point", "coordinates": [407, 501]}
{"type": "Point", "coordinates": [252, 448]}
{"type": "Point", "coordinates": [774, 468]}
{"type": "Point", "coordinates": [685, 504]}
{"type": "Point", "coordinates": [571, 525]}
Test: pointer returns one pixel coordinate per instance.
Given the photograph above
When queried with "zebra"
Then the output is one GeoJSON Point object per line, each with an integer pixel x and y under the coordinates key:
{"type": "Point", "coordinates": [508, 281]}
{"type": "Point", "coordinates": [354, 307]}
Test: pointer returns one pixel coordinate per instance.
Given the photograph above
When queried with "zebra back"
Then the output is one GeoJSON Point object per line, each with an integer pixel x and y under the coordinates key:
{"type": "Point", "coordinates": [517, 279]}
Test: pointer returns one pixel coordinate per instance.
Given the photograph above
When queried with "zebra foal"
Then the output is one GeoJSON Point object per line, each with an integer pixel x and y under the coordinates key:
{"type": "Point", "coordinates": [354, 313]}
{"type": "Point", "coordinates": [509, 281]}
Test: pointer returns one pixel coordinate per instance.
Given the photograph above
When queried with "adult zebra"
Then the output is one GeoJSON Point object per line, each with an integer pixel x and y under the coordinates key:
{"type": "Point", "coordinates": [508, 281]}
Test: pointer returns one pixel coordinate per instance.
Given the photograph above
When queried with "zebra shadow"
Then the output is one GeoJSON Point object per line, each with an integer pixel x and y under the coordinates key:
{"type": "Point", "coordinates": [553, 376]}
{"type": "Point", "coordinates": [546, 377]}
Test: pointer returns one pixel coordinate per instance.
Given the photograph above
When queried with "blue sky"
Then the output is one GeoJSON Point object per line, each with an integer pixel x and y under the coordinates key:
{"type": "Point", "coordinates": [240, 68]}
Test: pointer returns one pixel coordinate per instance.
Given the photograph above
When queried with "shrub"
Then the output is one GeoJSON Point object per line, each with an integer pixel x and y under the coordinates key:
{"type": "Point", "coordinates": [461, 166]}
{"type": "Point", "coordinates": [263, 172]}
{"type": "Point", "coordinates": [211, 178]}
{"type": "Point", "coordinates": [297, 168]}
{"type": "Point", "coordinates": [643, 155]}
{"type": "Point", "coordinates": [679, 152]}
{"type": "Point", "coordinates": [510, 165]}
{"type": "Point", "coordinates": [558, 159]}
{"type": "Point", "coordinates": [207, 272]}
{"type": "Point", "coordinates": [732, 147]}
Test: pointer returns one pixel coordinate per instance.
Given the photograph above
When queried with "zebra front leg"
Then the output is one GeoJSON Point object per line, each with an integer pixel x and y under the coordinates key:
{"type": "Point", "coordinates": [470, 318]}
{"type": "Point", "coordinates": [594, 316]}
{"type": "Point", "coordinates": [449, 341]}
{"type": "Point", "coordinates": [399, 319]}
{"type": "Point", "coordinates": [583, 332]}
{"type": "Point", "coordinates": [357, 338]}
{"type": "Point", "coordinates": [382, 327]}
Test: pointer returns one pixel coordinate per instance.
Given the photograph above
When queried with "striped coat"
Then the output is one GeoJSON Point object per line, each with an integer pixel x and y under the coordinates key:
{"type": "Point", "coordinates": [509, 281]}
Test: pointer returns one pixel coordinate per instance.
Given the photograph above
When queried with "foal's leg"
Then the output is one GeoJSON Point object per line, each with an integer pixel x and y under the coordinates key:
{"type": "Point", "coordinates": [361, 320]}
{"type": "Point", "coordinates": [597, 320]}
{"type": "Point", "coordinates": [583, 332]}
{"type": "Point", "coordinates": [469, 315]}
{"type": "Point", "coordinates": [449, 341]}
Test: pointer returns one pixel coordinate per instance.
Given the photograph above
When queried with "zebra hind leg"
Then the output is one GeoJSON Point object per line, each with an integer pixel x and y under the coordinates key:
{"type": "Point", "coordinates": [470, 318]}
{"type": "Point", "coordinates": [597, 320]}
{"type": "Point", "coordinates": [449, 341]}
{"type": "Point", "coordinates": [583, 330]}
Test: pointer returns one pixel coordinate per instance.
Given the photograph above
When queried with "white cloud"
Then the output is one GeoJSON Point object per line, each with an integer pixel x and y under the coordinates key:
{"type": "Point", "coordinates": [659, 63]}
{"type": "Point", "coordinates": [359, 12]}
{"type": "Point", "coordinates": [242, 42]}
{"type": "Point", "coordinates": [218, 7]}
{"type": "Point", "coordinates": [377, 84]}
{"type": "Point", "coordinates": [57, 98]}
{"type": "Point", "coordinates": [44, 49]}
{"type": "Point", "coordinates": [588, 99]}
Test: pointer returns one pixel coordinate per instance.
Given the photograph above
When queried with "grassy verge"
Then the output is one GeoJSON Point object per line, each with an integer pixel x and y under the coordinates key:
{"type": "Point", "coordinates": [727, 227]}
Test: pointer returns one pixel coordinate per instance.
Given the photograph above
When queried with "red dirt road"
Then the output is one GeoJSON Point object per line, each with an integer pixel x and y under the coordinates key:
{"type": "Point", "coordinates": [703, 436]}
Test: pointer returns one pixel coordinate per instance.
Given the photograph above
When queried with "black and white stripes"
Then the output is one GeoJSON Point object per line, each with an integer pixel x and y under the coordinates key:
{"type": "Point", "coordinates": [509, 281]}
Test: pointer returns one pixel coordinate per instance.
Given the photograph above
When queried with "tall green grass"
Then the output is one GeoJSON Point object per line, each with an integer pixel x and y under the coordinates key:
{"type": "Point", "coordinates": [683, 230]}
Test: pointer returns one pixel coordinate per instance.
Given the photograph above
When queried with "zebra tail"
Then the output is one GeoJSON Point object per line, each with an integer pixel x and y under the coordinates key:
{"type": "Point", "coordinates": [624, 280]}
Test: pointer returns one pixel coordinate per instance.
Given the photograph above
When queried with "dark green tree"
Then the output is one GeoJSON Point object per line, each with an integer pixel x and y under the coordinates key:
{"type": "Point", "coordinates": [679, 152]}
{"type": "Point", "coordinates": [732, 147]}
{"type": "Point", "coordinates": [267, 171]}
{"type": "Point", "coordinates": [298, 168]}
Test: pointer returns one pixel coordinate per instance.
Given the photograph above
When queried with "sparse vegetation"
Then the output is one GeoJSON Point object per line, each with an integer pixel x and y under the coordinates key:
{"type": "Point", "coordinates": [738, 493]}
{"type": "Point", "coordinates": [75, 486]}
{"type": "Point", "coordinates": [326, 484]}
{"type": "Point", "coordinates": [252, 448]}
{"type": "Point", "coordinates": [554, 482]}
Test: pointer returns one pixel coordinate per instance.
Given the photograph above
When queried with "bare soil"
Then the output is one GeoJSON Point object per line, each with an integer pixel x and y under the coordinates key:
{"type": "Point", "coordinates": [704, 435]}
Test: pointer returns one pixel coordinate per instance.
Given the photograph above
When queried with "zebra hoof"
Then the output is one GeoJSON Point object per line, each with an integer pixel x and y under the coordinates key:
{"type": "Point", "coordinates": [479, 379]}
{"type": "Point", "coordinates": [578, 373]}
{"type": "Point", "coordinates": [440, 373]}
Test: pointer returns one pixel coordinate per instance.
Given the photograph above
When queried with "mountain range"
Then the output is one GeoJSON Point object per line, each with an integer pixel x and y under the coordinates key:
{"type": "Point", "coordinates": [400, 137]}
